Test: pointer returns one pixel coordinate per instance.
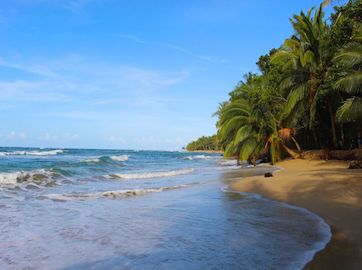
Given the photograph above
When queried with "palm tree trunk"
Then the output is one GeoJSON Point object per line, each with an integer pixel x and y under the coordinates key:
{"type": "Point", "coordinates": [342, 135]}
{"type": "Point", "coordinates": [254, 160]}
{"type": "Point", "coordinates": [298, 146]}
{"type": "Point", "coordinates": [290, 151]}
{"type": "Point", "coordinates": [333, 125]}
{"type": "Point", "coordinates": [315, 138]}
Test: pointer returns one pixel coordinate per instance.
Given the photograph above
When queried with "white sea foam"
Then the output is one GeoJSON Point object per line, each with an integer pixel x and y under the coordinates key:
{"type": "Point", "coordinates": [119, 158]}
{"type": "Point", "coordinates": [8, 178]}
{"type": "Point", "coordinates": [92, 160]}
{"type": "Point", "coordinates": [199, 157]}
{"type": "Point", "coordinates": [103, 158]}
{"type": "Point", "coordinates": [135, 192]}
{"type": "Point", "coordinates": [132, 192]}
{"type": "Point", "coordinates": [228, 162]}
{"type": "Point", "coordinates": [70, 196]}
{"type": "Point", "coordinates": [151, 174]}
{"type": "Point", "coordinates": [123, 193]}
{"type": "Point", "coordinates": [13, 178]}
{"type": "Point", "coordinates": [32, 153]}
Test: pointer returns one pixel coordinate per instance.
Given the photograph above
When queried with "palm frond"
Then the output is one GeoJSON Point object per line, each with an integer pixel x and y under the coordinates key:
{"type": "Point", "coordinates": [294, 97]}
{"type": "Point", "coordinates": [351, 83]}
{"type": "Point", "coordinates": [350, 55]}
{"type": "Point", "coordinates": [243, 133]}
{"type": "Point", "coordinates": [248, 148]}
{"type": "Point", "coordinates": [351, 110]}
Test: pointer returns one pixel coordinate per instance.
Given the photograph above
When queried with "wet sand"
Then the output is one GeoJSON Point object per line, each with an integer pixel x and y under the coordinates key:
{"type": "Point", "coordinates": [328, 189]}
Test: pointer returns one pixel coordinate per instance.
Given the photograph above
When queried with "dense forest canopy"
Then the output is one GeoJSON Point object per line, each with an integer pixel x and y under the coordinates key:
{"type": "Point", "coordinates": [307, 95]}
{"type": "Point", "coordinates": [204, 143]}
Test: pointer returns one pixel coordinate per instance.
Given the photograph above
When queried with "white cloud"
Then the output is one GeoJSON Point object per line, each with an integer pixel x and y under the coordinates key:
{"type": "Point", "coordinates": [59, 137]}
{"type": "Point", "coordinates": [189, 53]}
{"type": "Point", "coordinates": [14, 135]}
{"type": "Point", "coordinates": [136, 39]}
{"type": "Point", "coordinates": [131, 38]}
{"type": "Point", "coordinates": [38, 91]}
{"type": "Point", "coordinates": [34, 69]}
{"type": "Point", "coordinates": [48, 137]}
{"type": "Point", "coordinates": [77, 78]}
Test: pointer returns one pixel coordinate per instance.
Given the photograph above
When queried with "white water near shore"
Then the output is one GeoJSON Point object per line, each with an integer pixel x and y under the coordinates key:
{"type": "Point", "coordinates": [151, 174]}
{"type": "Point", "coordinates": [31, 153]}
{"type": "Point", "coordinates": [154, 210]}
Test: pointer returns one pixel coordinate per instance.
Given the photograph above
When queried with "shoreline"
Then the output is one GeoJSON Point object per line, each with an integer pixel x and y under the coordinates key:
{"type": "Point", "coordinates": [326, 188]}
{"type": "Point", "coordinates": [206, 151]}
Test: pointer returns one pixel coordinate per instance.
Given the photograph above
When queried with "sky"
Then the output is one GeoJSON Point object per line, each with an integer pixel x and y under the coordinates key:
{"type": "Point", "coordinates": [128, 74]}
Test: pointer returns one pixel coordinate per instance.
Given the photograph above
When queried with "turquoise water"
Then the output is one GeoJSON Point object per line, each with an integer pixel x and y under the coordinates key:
{"type": "Point", "coordinates": [119, 209]}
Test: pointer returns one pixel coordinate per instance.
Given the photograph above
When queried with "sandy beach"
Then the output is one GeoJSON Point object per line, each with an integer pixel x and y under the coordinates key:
{"type": "Point", "coordinates": [328, 189]}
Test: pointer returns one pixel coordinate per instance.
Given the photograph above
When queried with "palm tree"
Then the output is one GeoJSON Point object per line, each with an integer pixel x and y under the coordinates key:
{"type": "Point", "coordinates": [328, 2]}
{"type": "Point", "coordinates": [248, 124]}
{"type": "Point", "coordinates": [350, 58]}
{"type": "Point", "coordinates": [236, 127]}
{"type": "Point", "coordinates": [304, 59]}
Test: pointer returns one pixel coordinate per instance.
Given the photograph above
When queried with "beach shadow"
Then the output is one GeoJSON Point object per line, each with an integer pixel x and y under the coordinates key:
{"type": "Point", "coordinates": [344, 249]}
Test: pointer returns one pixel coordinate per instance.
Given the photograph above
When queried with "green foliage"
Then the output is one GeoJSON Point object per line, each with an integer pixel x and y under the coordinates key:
{"type": "Point", "coordinates": [345, 20]}
{"type": "Point", "coordinates": [250, 121]}
{"type": "Point", "coordinates": [350, 80]}
{"type": "Point", "coordinates": [309, 90]}
{"type": "Point", "coordinates": [304, 59]}
{"type": "Point", "coordinates": [209, 143]}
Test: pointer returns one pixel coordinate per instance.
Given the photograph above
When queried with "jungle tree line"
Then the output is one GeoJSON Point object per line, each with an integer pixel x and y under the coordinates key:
{"type": "Point", "coordinates": [307, 95]}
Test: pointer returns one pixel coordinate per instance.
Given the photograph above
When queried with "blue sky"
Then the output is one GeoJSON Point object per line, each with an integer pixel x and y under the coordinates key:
{"type": "Point", "coordinates": [127, 74]}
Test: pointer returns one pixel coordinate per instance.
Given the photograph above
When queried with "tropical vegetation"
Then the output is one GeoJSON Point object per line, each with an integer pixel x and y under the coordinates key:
{"type": "Point", "coordinates": [307, 95]}
{"type": "Point", "coordinates": [204, 143]}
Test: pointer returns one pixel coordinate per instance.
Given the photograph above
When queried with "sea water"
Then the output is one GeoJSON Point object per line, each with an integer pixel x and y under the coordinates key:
{"type": "Point", "coordinates": [125, 209]}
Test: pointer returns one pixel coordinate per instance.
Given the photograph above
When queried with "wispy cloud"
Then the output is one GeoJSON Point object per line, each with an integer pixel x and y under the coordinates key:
{"type": "Point", "coordinates": [76, 78]}
{"type": "Point", "coordinates": [35, 91]}
{"type": "Point", "coordinates": [14, 135]}
{"type": "Point", "coordinates": [34, 69]}
{"type": "Point", "coordinates": [59, 137]}
{"type": "Point", "coordinates": [136, 39]}
{"type": "Point", "coordinates": [190, 53]}
{"type": "Point", "coordinates": [131, 38]}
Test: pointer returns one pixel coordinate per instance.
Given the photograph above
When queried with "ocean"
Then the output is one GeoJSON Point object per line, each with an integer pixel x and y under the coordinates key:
{"type": "Point", "coordinates": [126, 209]}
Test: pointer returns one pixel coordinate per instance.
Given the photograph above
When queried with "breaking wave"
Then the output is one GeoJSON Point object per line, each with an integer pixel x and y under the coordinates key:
{"type": "Point", "coordinates": [92, 160]}
{"type": "Point", "coordinates": [119, 158]}
{"type": "Point", "coordinates": [113, 194]}
{"type": "Point", "coordinates": [40, 177]}
{"type": "Point", "coordinates": [199, 157]}
{"type": "Point", "coordinates": [150, 174]}
{"type": "Point", "coordinates": [228, 162]}
{"type": "Point", "coordinates": [32, 153]}
{"type": "Point", "coordinates": [106, 159]}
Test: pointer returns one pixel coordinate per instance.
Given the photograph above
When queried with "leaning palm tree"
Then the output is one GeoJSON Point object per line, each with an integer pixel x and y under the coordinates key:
{"type": "Point", "coordinates": [249, 126]}
{"type": "Point", "coordinates": [236, 126]}
{"type": "Point", "coordinates": [350, 58]}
